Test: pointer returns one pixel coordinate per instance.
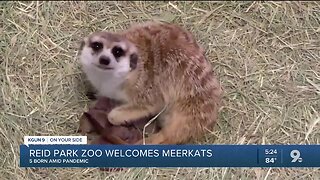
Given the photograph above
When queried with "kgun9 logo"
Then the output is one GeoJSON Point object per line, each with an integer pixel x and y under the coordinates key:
{"type": "Point", "coordinates": [295, 155]}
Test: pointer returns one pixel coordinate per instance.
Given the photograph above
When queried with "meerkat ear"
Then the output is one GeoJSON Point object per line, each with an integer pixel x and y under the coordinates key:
{"type": "Point", "coordinates": [133, 61]}
{"type": "Point", "coordinates": [83, 42]}
{"type": "Point", "coordinates": [81, 45]}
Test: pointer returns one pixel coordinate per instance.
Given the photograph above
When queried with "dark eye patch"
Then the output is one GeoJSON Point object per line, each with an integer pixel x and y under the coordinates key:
{"type": "Point", "coordinates": [96, 46]}
{"type": "Point", "coordinates": [117, 51]}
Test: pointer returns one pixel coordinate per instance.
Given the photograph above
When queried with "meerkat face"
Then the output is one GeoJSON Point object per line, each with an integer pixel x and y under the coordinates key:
{"type": "Point", "coordinates": [108, 52]}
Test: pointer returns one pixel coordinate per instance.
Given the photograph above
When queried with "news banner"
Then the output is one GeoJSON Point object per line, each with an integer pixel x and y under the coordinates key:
{"type": "Point", "coordinates": [73, 151]}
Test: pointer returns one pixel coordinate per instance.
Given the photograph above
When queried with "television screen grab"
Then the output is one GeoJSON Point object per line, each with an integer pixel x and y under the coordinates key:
{"type": "Point", "coordinates": [160, 90]}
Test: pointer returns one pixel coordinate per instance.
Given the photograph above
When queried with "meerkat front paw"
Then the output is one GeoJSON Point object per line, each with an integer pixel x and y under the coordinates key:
{"type": "Point", "coordinates": [117, 117]}
{"type": "Point", "coordinates": [126, 114]}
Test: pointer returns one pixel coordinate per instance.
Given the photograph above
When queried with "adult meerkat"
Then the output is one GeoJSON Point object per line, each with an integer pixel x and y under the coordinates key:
{"type": "Point", "coordinates": [151, 66]}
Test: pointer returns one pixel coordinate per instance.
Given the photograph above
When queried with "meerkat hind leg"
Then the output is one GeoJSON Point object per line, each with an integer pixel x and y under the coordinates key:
{"type": "Point", "coordinates": [128, 113]}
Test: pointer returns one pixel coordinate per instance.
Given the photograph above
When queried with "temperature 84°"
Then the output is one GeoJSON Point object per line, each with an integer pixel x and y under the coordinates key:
{"type": "Point", "coordinates": [270, 160]}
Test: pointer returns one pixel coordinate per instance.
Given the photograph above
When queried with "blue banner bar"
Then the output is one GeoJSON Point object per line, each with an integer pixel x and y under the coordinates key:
{"type": "Point", "coordinates": [127, 156]}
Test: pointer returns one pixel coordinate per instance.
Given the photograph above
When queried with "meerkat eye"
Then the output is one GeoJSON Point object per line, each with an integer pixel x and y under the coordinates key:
{"type": "Point", "coordinates": [117, 51]}
{"type": "Point", "coordinates": [96, 46]}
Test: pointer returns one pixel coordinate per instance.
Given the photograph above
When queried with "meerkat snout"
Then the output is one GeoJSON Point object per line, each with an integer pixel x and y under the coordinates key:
{"type": "Point", "coordinates": [104, 60]}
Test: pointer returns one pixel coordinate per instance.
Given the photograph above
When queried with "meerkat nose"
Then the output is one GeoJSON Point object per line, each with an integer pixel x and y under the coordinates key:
{"type": "Point", "coordinates": [104, 60]}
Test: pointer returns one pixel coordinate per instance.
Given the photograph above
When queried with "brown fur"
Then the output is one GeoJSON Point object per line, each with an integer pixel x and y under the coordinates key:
{"type": "Point", "coordinates": [171, 71]}
{"type": "Point", "coordinates": [94, 122]}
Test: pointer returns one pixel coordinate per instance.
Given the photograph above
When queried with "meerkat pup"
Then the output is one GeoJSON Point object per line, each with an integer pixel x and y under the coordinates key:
{"type": "Point", "coordinates": [149, 67]}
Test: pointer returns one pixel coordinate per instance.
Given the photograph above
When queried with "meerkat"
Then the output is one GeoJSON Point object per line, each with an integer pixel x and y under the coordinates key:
{"type": "Point", "coordinates": [151, 67]}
